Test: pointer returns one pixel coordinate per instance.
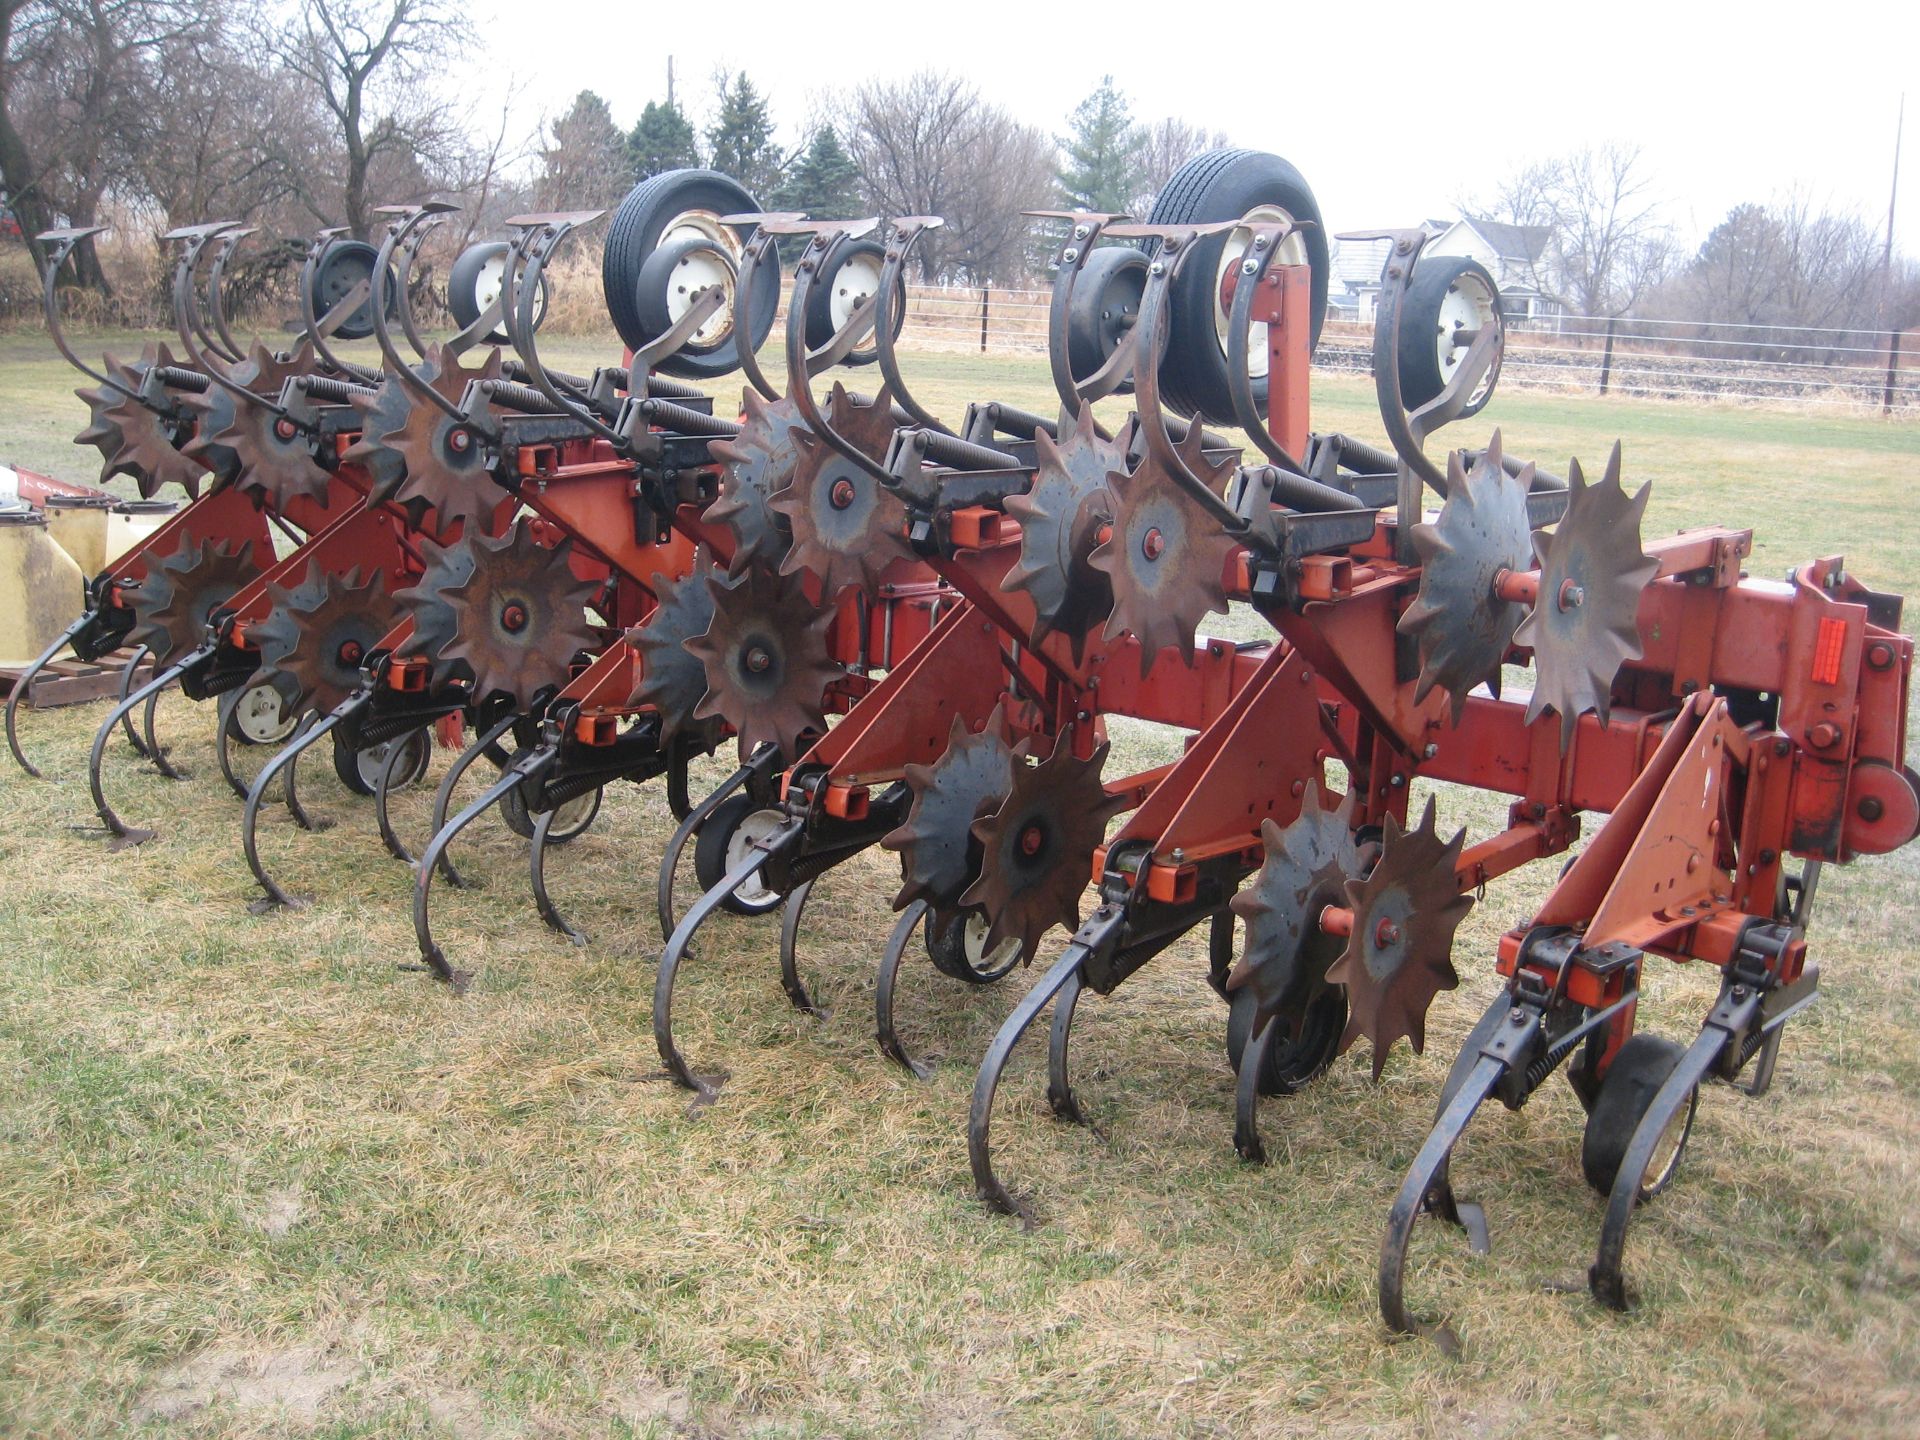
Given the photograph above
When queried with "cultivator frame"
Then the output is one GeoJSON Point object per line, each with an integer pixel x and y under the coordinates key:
{"type": "Point", "coordinates": [916, 634]}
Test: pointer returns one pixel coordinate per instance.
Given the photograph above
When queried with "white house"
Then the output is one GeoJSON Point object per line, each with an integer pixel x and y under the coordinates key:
{"type": "Point", "coordinates": [1511, 254]}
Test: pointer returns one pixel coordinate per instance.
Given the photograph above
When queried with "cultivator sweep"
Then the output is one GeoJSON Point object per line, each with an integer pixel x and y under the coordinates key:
{"type": "Point", "coordinates": [917, 636]}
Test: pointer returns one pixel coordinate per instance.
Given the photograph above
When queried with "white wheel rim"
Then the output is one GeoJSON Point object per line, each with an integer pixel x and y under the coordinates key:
{"type": "Point", "coordinates": [853, 284]}
{"type": "Point", "coordinates": [1293, 251]}
{"type": "Point", "coordinates": [488, 283]}
{"type": "Point", "coordinates": [261, 715]}
{"type": "Point", "coordinates": [371, 760]}
{"type": "Point", "coordinates": [573, 815]}
{"type": "Point", "coordinates": [745, 840]}
{"type": "Point", "coordinates": [1666, 1151]}
{"type": "Point", "coordinates": [702, 269]}
{"type": "Point", "coordinates": [1466, 306]}
{"type": "Point", "coordinates": [973, 940]}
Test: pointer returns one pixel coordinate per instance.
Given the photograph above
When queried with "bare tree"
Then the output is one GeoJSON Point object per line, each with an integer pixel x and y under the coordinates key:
{"type": "Point", "coordinates": [1608, 244]}
{"type": "Point", "coordinates": [77, 86]}
{"type": "Point", "coordinates": [1164, 148]}
{"type": "Point", "coordinates": [930, 145]}
{"type": "Point", "coordinates": [1801, 272]}
{"type": "Point", "coordinates": [363, 60]}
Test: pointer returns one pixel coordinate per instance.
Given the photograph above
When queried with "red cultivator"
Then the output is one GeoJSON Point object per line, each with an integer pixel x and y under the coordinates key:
{"type": "Point", "coordinates": [916, 635]}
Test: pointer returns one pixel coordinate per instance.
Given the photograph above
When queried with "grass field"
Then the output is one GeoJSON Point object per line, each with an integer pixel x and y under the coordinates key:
{"type": "Point", "coordinates": [255, 1179]}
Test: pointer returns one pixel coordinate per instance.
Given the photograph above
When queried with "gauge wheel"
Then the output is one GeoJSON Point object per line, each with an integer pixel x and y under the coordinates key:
{"type": "Point", "coordinates": [344, 264]}
{"type": "Point", "coordinates": [1289, 1063]}
{"type": "Point", "coordinates": [475, 282]}
{"type": "Point", "coordinates": [837, 294]}
{"type": "Point", "coordinates": [1105, 305]}
{"type": "Point", "coordinates": [261, 716]}
{"type": "Point", "coordinates": [1449, 296]}
{"type": "Point", "coordinates": [569, 823]}
{"type": "Point", "coordinates": [725, 840]}
{"type": "Point", "coordinates": [1626, 1092]}
{"type": "Point", "coordinates": [1225, 185]}
{"type": "Point", "coordinates": [664, 211]}
{"type": "Point", "coordinates": [957, 945]}
{"type": "Point", "coordinates": [359, 770]}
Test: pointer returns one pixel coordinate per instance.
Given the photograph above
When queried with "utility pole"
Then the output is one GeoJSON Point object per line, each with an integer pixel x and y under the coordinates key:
{"type": "Point", "coordinates": [670, 82]}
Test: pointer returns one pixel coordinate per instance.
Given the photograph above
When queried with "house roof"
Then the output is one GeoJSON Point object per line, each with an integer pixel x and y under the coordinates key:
{"type": "Point", "coordinates": [1359, 262]}
{"type": "Point", "coordinates": [1512, 242]}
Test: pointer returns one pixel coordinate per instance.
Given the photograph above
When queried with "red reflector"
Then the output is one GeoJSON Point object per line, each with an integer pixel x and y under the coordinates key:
{"type": "Point", "coordinates": [1826, 651]}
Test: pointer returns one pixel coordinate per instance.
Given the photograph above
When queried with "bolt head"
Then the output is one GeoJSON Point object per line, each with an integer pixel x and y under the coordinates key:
{"type": "Point", "coordinates": [757, 660]}
{"type": "Point", "coordinates": [1153, 544]}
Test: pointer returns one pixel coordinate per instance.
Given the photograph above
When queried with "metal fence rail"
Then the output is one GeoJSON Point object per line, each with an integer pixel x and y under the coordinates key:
{"type": "Point", "coordinates": [1794, 366]}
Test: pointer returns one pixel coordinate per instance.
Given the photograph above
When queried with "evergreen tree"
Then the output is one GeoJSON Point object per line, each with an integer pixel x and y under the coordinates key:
{"type": "Point", "coordinates": [824, 182]}
{"type": "Point", "coordinates": [662, 139]}
{"type": "Point", "coordinates": [585, 165]}
{"type": "Point", "coordinates": [740, 140]}
{"type": "Point", "coordinates": [1103, 153]}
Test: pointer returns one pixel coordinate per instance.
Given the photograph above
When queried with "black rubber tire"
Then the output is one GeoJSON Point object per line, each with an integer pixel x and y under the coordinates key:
{"type": "Point", "coordinates": [820, 301]}
{"type": "Point", "coordinates": [1420, 377]}
{"type": "Point", "coordinates": [463, 281]}
{"type": "Point", "coordinates": [1224, 185]}
{"type": "Point", "coordinates": [513, 810]}
{"type": "Point", "coordinates": [346, 763]}
{"type": "Point", "coordinates": [1106, 292]}
{"type": "Point", "coordinates": [945, 936]}
{"type": "Point", "coordinates": [1289, 1065]}
{"type": "Point", "coordinates": [1637, 1072]}
{"type": "Point", "coordinates": [710, 853]}
{"type": "Point", "coordinates": [343, 264]}
{"type": "Point", "coordinates": [634, 233]}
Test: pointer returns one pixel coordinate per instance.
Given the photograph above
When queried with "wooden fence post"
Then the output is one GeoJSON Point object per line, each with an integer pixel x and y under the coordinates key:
{"type": "Point", "coordinates": [1606, 358]}
{"type": "Point", "coordinates": [985, 296]}
{"type": "Point", "coordinates": [1893, 364]}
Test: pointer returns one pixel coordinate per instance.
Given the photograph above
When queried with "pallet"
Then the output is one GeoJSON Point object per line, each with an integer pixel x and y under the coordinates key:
{"type": "Point", "coordinates": [74, 682]}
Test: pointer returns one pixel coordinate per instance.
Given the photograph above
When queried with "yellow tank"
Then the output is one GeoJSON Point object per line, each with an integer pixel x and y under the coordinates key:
{"type": "Point", "coordinates": [96, 535]}
{"type": "Point", "coordinates": [40, 587]}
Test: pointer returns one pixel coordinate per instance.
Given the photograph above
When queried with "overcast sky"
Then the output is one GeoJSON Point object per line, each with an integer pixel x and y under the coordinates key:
{"type": "Point", "coordinates": [1391, 116]}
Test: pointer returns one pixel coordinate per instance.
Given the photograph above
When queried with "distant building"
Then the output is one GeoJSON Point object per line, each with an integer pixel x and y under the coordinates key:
{"type": "Point", "coordinates": [1511, 254]}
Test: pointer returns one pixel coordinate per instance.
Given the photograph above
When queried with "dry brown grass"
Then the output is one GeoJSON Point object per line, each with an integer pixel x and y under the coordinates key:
{"type": "Point", "coordinates": [260, 1181]}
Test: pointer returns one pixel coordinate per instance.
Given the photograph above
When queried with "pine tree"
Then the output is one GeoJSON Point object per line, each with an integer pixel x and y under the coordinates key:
{"type": "Point", "coordinates": [1103, 153]}
{"type": "Point", "coordinates": [824, 182]}
{"type": "Point", "coordinates": [740, 140]}
{"type": "Point", "coordinates": [661, 140]}
{"type": "Point", "coordinates": [585, 165]}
